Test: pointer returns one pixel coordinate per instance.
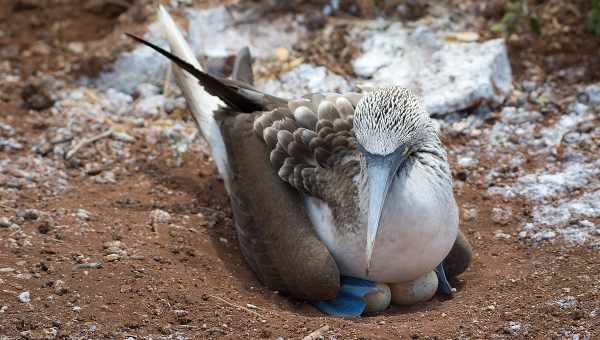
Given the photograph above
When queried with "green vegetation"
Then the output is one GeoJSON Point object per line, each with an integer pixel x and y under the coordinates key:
{"type": "Point", "coordinates": [517, 12]}
{"type": "Point", "coordinates": [593, 20]}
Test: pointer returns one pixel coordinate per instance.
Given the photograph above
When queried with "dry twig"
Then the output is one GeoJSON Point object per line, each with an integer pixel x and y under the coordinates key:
{"type": "Point", "coordinates": [236, 306]}
{"type": "Point", "coordinates": [88, 141]}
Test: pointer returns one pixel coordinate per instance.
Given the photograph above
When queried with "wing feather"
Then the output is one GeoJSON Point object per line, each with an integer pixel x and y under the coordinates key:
{"type": "Point", "coordinates": [311, 140]}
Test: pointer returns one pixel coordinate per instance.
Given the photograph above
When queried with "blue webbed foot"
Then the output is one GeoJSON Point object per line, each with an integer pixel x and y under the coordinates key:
{"type": "Point", "coordinates": [443, 284]}
{"type": "Point", "coordinates": [350, 301]}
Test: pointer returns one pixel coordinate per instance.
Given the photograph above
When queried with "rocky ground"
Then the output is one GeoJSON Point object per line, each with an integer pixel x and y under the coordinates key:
{"type": "Point", "coordinates": [114, 223]}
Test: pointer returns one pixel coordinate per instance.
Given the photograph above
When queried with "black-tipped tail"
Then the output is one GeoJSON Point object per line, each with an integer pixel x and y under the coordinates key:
{"type": "Point", "coordinates": [212, 85]}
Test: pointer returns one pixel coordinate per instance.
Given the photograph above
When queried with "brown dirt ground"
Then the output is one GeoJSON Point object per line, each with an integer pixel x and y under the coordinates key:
{"type": "Point", "coordinates": [194, 262]}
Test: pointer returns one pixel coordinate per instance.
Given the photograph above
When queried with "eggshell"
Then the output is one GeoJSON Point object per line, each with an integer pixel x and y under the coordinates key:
{"type": "Point", "coordinates": [379, 301]}
{"type": "Point", "coordinates": [419, 290]}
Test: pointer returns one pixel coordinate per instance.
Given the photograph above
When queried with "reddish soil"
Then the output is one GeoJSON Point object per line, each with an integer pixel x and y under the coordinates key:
{"type": "Point", "coordinates": [188, 277]}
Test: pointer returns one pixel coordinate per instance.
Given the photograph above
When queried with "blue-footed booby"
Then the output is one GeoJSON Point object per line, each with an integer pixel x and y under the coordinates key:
{"type": "Point", "coordinates": [355, 185]}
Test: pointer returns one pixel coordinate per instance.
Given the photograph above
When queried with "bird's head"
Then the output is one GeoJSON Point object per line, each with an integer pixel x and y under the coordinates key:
{"type": "Point", "coordinates": [390, 124]}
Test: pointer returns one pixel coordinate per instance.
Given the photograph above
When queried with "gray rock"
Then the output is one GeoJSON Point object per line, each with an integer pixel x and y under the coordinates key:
{"type": "Point", "coordinates": [528, 85]}
{"type": "Point", "coordinates": [592, 92]}
{"type": "Point", "coordinates": [29, 214]}
{"type": "Point", "coordinates": [454, 76]}
{"type": "Point", "coordinates": [91, 265]}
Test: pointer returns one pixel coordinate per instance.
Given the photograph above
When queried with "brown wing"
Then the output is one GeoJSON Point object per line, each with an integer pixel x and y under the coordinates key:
{"type": "Point", "coordinates": [311, 141]}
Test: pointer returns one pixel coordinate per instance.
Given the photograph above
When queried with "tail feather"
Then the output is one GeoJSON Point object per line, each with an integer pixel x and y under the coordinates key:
{"type": "Point", "coordinates": [212, 85]}
{"type": "Point", "coordinates": [201, 103]}
{"type": "Point", "coordinates": [242, 69]}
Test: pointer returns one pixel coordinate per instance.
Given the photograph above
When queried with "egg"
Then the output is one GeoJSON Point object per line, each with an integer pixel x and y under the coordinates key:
{"type": "Point", "coordinates": [378, 301]}
{"type": "Point", "coordinates": [419, 290]}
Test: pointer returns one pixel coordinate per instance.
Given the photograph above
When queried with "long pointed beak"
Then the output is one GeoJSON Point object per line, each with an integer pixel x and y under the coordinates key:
{"type": "Point", "coordinates": [381, 171]}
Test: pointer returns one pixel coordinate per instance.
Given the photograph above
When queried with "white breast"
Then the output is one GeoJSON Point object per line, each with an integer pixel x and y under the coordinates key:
{"type": "Point", "coordinates": [418, 228]}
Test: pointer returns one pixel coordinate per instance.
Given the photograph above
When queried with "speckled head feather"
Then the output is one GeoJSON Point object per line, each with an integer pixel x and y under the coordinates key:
{"type": "Point", "coordinates": [387, 118]}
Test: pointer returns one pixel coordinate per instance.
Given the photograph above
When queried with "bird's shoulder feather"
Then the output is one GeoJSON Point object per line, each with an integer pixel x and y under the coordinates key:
{"type": "Point", "coordinates": [311, 142]}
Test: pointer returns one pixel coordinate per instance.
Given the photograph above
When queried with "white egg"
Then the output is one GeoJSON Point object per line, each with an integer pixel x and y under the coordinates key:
{"type": "Point", "coordinates": [379, 301]}
{"type": "Point", "coordinates": [419, 290]}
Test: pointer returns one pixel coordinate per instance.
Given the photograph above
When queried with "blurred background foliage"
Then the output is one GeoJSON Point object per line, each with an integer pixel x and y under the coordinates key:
{"type": "Point", "coordinates": [515, 16]}
{"type": "Point", "coordinates": [593, 19]}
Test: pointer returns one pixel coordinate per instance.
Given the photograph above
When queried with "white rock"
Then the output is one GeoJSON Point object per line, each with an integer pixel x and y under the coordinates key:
{"type": "Point", "coordinates": [515, 328]}
{"type": "Point", "coordinates": [159, 216]}
{"type": "Point", "coordinates": [141, 65]}
{"type": "Point", "coordinates": [419, 290]}
{"type": "Point", "coordinates": [221, 32]}
{"type": "Point", "coordinates": [544, 235]}
{"type": "Point", "coordinates": [470, 214]}
{"type": "Point", "coordinates": [305, 78]}
{"type": "Point", "coordinates": [83, 214]}
{"type": "Point", "coordinates": [566, 302]}
{"type": "Point", "coordinates": [24, 297]}
{"type": "Point", "coordinates": [4, 222]}
{"type": "Point", "coordinates": [379, 301]}
{"type": "Point", "coordinates": [466, 162]}
{"type": "Point", "coordinates": [216, 32]}
{"type": "Point", "coordinates": [513, 115]}
{"type": "Point", "coordinates": [454, 76]}
{"type": "Point", "coordinates": [501, 215]}
{"type": "Point", "coordinates": [565, 210]}
{"type": "Point", "coordinates": [501, 235]}
{"type": "Point", "coordinates": [593, 94]}
{"type": "Point", "coordinates": [112, 257]}
{"type": "Point", "coordinates": [541, 186]}
{"type": "Point", "coordinates": [151, 107]}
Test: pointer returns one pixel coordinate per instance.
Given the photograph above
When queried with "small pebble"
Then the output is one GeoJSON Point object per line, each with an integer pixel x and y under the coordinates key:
{"type": "Point", "coordinates": [159, 216]}
{"type": "Point", "coordinates": [91, 265]}
{"type": "Point", "coordinates": [469, 214]}
{"type": "Point", "coordinates": [24, 297]}
{"type": "Point", "coordinates": [112, 257]}
{"type": "Point", "coordinates": [60, 288]}
{"type": "Point", "coordinates": [24, 276]}
{"type": "Point", "coordinates": [4, 222]}
{"type": "Point", "coordinates": [36, 98]}
{"type": "Point", "coordinates": [83, 214]}
{"type": "Point", "coordinates": [29, 214]}
{"type": "Point", "coordinates": [500, 235]}
{"type": "Point", "coordinates": [501, 215]}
